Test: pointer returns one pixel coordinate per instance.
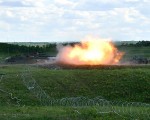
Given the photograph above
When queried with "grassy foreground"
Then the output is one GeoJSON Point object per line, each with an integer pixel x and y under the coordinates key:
{"type": "Point", "coordinates": [114, 84]}
{"type": "Point", "coordinates": [54, 113]}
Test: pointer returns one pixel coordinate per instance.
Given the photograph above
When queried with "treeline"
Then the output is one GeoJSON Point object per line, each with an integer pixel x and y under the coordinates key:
{"type": "Point", "coordinates": [143, 43]}
{"type": "Point", "coordinates": [138, 44]}
{"type": "Point", "coordinates": [15, 48]}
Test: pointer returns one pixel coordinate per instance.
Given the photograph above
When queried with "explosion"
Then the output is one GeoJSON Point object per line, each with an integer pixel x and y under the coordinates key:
{"type": "Point", "coordinates": [92, 51]}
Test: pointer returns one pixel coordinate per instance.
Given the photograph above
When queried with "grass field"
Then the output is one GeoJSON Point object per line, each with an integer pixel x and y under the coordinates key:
{"type": "Point", "coordinates": [54, 113]}
{"type": "Point", "coordinates": [131, 51]}
{"type": "Point", "coordinates": [114, 83]}
{"type": "Point", "coordinates": [58, 113]}
{"type": "Point", "coordinates": [128, 83]}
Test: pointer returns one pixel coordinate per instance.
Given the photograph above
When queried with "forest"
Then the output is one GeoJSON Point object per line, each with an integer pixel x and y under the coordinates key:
{"type": "Point", "coordinates": [51, 47]}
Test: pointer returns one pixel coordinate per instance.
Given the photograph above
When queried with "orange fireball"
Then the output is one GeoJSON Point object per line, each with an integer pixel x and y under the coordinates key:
{"type": "Point", "coordinates": [90, 52]}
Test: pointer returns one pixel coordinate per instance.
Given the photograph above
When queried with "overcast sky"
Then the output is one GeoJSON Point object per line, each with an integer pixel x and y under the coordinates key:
{"type": "Point", "coordinates": [72, 20]}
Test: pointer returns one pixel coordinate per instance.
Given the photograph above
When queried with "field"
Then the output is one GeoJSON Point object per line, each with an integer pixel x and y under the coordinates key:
{"type": "Point", "coordinates": [131, 51]}
{"type": "Point", "coordinates": [119, 84]}
{"type": "Point", "coordinates": [65, 92]}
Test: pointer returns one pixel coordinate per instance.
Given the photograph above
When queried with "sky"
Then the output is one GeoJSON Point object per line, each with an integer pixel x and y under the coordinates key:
{"type": "Point", "coordinates": [72, 20]}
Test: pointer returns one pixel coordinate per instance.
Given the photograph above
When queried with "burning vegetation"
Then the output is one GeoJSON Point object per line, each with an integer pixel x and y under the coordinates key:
{"type": "Point", "coordinates": [91, 51]}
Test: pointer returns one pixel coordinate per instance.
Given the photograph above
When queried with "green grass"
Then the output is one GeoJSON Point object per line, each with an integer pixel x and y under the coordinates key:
{"type": "Point", "coordinates": [53, 113]}
{"type": "Point", "coordinates": [131, 51]}
{"type": "Point", "coordinates": [3, 56]}
{"type": "Point", "coordinates": [124, 83]}
{"type": "Point", "coordinates": [121, 84]}
{"type": "Point", "coordinates": [61, 113]}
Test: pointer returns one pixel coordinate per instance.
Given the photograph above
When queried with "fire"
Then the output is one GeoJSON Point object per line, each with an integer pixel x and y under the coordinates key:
{"type": "Point", "coordinates": [90, 52]}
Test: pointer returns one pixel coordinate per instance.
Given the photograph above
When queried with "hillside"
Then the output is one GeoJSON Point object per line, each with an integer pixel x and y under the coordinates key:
{"type": "Point", "coordinates": [121, 84]}
{"type": "Point", "coordinates": [117, 84]}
